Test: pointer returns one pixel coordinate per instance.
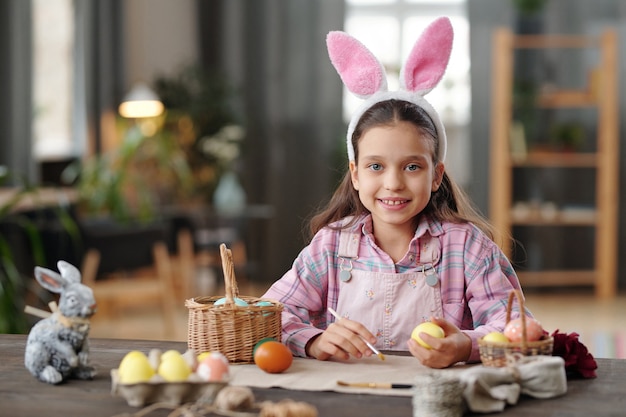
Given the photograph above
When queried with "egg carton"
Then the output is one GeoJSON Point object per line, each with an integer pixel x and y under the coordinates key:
{"type": "Point", "coordinates": [159, 390]}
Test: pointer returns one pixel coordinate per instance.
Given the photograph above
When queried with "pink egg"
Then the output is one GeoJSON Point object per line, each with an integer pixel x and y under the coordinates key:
{"type": "Point", "coordinates": [214, 367]}
{"type": "Point", "coordinates": [513, 330]}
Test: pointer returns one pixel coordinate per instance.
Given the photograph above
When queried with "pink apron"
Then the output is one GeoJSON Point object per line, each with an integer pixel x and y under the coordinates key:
{"type": "Point", "coordinates": [390, 305]}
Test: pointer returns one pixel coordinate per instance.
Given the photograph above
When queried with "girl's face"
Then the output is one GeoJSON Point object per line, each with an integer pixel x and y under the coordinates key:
{"type": "Point", "coordinates": [395, 175]}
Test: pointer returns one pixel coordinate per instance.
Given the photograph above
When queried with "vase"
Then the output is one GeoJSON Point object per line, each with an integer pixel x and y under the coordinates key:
{"type": "Point", "coordinates": [229, 197]}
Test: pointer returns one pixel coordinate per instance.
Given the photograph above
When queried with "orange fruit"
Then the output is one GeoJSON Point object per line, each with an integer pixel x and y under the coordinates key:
{"type": "Point", "coordinates": [273, 357]}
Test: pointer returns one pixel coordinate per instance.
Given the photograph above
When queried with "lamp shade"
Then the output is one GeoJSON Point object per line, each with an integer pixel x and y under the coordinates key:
{"type": "Point", "coordinates": [140, 102]}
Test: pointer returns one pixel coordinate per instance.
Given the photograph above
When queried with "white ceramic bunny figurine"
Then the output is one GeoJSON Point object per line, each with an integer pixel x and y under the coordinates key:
{"type": "Point", "coordinates": [57, 346]}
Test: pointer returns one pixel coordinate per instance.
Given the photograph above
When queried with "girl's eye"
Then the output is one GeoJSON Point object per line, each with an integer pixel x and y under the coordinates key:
{"type": "Point", "coordinates": [412, 167]}
{"type": "Point", "coordinates": [376, 167]}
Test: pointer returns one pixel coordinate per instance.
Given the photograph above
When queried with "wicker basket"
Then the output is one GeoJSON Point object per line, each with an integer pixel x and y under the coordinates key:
{"type": "Point", "coordinates": [228, 328]}
{"type": "Point", "coordinates": [499, 354]}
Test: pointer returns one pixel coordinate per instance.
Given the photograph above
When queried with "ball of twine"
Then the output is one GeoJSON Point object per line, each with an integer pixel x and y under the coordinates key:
{"type": "Point", "coordinates": [234, 399]}
{"type": "Point", "coordinates": [287, 408]}
{"type": "Point", "coordinates": [242, 399]}
{"type": "Point", "coordinates": [437, 394]}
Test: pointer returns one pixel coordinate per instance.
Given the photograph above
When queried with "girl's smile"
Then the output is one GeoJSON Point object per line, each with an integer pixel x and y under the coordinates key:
{"type": "Point", "coordinates": [393, 202]}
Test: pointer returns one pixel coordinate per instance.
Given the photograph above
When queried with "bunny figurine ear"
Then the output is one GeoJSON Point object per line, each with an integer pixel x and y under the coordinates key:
{"type": "Point", "coordinates": [69, 272]}
{"type": "Point", "coordinates": [361, 72]}
{"type": "Point", "coordinates": [49, 279]}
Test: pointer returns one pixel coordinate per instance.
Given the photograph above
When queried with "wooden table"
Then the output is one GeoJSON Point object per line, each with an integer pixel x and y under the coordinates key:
{"type": "Point", "coordinates": [22, 395]}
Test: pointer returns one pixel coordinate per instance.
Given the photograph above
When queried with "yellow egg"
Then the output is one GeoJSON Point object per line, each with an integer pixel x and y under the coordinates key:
{"type": "Point", "coordinates": [132, 355]}
{"type": "Point", "coordinates": [135, 368]}
{"type": "Point", "coordinates": [170, 353]}
{"type": "Point", "coordinates": [428, 328]}
{"type": "Point", "coordinates": [174, 368]}
{"type": "Point", "coordinates": [495, 337]}
{"type": "Point", "coordinates": [203, 356]}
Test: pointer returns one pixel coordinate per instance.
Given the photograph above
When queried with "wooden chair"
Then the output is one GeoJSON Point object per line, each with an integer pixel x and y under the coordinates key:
{"type": "Point", "coordinates": [185, 270]}
{"type": "Point", "coordinates": [135, 287]}
{"type": "Point", "coordinates": [191, 256]}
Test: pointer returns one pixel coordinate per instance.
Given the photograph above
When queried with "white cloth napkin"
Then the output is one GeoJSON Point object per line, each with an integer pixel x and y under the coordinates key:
{"type": "Point", "coordinates": [487, 389]}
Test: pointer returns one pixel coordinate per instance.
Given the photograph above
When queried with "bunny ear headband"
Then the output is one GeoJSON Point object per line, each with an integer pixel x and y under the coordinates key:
{"type": "Point", "coordinates": [364, 75]}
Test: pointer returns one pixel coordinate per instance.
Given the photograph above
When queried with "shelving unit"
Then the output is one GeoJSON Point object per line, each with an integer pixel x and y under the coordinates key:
{"type": "Point", "coordinates": [599, 94]}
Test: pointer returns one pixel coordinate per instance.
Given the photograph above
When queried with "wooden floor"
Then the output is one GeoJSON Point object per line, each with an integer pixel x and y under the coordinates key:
{"type": "Point", "coordinates": [600, 324]}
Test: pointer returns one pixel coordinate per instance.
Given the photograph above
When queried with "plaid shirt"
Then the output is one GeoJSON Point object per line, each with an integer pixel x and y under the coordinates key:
{"type": "Point", "coordinates": [475, 277]}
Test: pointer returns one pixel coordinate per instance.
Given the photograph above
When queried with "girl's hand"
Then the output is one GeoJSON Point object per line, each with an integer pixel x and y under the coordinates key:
{"type": "Point", "coordinates": [342, 339]}
{"type": "Point", "coordinates": [455, 347]}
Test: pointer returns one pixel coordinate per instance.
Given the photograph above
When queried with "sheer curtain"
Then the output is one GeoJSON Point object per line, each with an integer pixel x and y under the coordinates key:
{"type": "Point", "coordinates": [274, 52]}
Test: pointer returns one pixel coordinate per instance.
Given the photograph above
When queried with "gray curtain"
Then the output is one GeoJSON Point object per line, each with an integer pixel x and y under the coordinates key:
{"type": "Point", "coordinates": [290, 96]}
{"type": "Point", "coordinates": [98, 70]}
{"type": "Point", "coordinates": [15, 89]}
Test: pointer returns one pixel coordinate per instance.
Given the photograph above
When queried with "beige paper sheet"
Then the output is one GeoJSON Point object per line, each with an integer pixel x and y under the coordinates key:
{"type": "Point", "coordinates": [314, 375]}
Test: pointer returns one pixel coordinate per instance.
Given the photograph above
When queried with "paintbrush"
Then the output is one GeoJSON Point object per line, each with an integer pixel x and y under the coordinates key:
{"type": "Point", "coordinates": [369, 345]}
{"type": "Point", "coordinates": [386, 385]}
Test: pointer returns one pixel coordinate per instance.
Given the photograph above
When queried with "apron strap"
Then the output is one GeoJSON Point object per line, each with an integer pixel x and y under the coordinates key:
{"type": "Point", "coordinates": [430, 250]}
{"type": "Point", "coordinates": [430, 253]}
{"type": "Point", "coordinates": [347, 252]}
{"type": "Point", "coordinates": [349, 244]}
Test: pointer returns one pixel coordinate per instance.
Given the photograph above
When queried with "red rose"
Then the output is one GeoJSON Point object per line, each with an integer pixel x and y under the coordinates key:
{"type": "Point", "coordinates": [578, 360]}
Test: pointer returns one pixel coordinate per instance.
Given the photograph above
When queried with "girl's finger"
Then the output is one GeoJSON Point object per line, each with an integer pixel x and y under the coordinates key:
{"type": "Point", "coordinates": [346, 339]}
{"type": "Point", "coordinates": [357, 328]}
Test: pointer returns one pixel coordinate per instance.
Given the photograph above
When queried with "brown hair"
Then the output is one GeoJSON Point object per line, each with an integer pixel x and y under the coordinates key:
{"type": "Point", "coordinates": [448, 203]}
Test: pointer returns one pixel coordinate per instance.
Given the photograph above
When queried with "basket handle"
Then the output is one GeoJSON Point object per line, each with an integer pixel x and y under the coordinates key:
{"type": "Point", "coordinates": [520, 300]}
{"type": "Point", "coordinates": [228, 267]}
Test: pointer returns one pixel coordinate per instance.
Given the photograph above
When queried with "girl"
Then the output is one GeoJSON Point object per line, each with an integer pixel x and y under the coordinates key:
{"type": "Point", "coordinates": [398, 243]}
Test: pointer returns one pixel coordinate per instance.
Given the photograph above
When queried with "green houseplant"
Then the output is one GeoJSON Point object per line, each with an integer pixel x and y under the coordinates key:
{"type": "Point", "coordinates": [126, 196]}
{"type": "Point", "coordinates": [144, 184]}
{"type": "Point", "coordinates": [199, 105]}
{"type": "Point", "coordinates": [162, 161]}
{"type": "Point", "coordinates": [130, 183]}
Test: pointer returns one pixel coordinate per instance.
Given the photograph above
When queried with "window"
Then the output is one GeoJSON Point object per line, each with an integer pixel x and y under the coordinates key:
{"type": "Point", "coordinates": [53, 42]}
{"type": "Point", "coordinates": [397, 25]}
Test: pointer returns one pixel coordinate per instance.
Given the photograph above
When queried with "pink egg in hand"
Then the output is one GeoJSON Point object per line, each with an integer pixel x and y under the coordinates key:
{"type": "Point", "coordinates": [213, 367]}
{"type": "Point", "coordinates": [513, 330]}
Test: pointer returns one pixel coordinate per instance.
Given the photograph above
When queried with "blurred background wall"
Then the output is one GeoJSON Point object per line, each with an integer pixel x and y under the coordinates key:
{"type": "Point", "coordinates": [288, 96]}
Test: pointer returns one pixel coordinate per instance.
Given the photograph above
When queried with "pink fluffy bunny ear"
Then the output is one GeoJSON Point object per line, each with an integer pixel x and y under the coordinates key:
{"type": "Point", "coordinates": [429, 58]}
{"type": "Point", "coordinates": [361, 72]}
{"type": "Point", "coordinates": [364, 75]}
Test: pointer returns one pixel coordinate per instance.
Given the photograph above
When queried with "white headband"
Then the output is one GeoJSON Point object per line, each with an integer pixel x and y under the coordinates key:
{"type": "Point", "coordinates": [364, 75]}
